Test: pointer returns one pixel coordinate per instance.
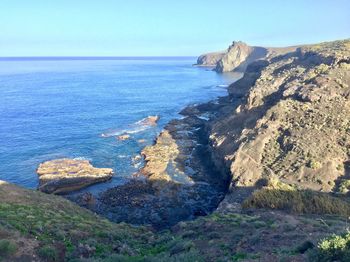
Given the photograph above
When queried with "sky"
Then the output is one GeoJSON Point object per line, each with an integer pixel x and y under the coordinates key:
{"type": "Point", "coordinates": [164, 27]}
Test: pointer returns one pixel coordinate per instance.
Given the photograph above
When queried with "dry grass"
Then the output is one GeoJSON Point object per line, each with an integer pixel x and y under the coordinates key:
{"type": "Point", "coordinates": [284, 197]}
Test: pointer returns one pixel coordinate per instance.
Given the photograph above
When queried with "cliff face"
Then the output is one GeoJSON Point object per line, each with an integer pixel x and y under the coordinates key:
{"type": "Point", "coordinates": [289, 120]}
{"type": "Point", "coordinates": [235, 55]}
{"type": "Point", "coordinates": [209, 59]}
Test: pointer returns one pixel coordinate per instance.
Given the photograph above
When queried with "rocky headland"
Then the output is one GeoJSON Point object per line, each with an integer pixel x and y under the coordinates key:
{"type": "Point", "coordinates": [265, 171]}
{"type": "Point", "coordinates": [239, 55]}
{"type": "Point", "coordinates": [209, 59]}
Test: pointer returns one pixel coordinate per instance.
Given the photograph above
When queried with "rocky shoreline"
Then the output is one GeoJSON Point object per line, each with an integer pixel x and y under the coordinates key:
{"type": "Point", "coordinates": [221, 152]}
{"type": "Point", "coordinates": [265, 170]}
{"type": "Point", "coordinates": [178, 182]}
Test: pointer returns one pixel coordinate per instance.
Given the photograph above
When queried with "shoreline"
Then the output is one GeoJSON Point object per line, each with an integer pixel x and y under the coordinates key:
{"type": "Point", "coordinates": [178, 181]}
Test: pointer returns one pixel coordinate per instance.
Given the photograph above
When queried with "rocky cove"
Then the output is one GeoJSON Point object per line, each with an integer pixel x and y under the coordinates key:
{"type": "Point", "coordinates": [260, 174]}
{"type": "Point", "coordinates": [179, 180]}
{"type": "Point", "coordinates": [220, 152]}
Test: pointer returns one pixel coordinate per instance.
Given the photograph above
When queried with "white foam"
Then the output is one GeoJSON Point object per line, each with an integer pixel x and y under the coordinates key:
{"type": "Point", "coordinates": [223, 86]}
{"type": "Point", "coordinates": [136, 127]}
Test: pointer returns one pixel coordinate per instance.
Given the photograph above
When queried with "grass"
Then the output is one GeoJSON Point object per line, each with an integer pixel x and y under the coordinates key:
{"type": "Point", "coordinates": [7, 248]}
{"type": "Point", "coordinates": [48, 253]}
{"type": "Point", "coordinates": [284, 197]}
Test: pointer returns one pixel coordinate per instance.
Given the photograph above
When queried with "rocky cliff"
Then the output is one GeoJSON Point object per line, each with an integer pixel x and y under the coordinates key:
{"type": "Point", "coordinates": [209, 59]}
{"type": "Point", "coordinates": [239, 55]}
{"type": "Point", "coordinates": [236, 57]}
{"type": "Point", "coordinates": [289, 120]}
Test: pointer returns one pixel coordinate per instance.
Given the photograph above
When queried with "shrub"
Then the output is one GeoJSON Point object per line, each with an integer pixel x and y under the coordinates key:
{"type": "Point", "coordinates": [49, 253]}
{"type": "Point", "coordinates": [298, 201]}
{"type": "Point", "coordinates": [334, 248]}
{"type": "Point", "coordinates": [314, 164]}
{"type": "Point", "coordinates": [7, 248]}
{"type": "Point", "coordinates": [344, 186]}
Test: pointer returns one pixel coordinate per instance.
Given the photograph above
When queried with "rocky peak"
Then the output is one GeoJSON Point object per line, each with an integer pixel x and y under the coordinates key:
{"type": "Point", "coordinates": [235, 56]}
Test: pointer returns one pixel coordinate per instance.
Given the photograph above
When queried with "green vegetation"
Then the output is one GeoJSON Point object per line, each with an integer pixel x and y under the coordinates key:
{"type": "Point", "coordinates": [314, 164]}
{"type": "Point", "coordinates": [334, 248]}
{"type": "Point", "coordinates": [285, 197]}
{"type": "Point", "coordinates": [344, 186]}
{"type": "Point", "coordinates": [7, 248]}
{"type": "Point", "coordinates": [48, 253]}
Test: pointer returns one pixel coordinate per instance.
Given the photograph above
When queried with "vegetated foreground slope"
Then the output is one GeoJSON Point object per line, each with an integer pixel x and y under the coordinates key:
{"type": "Point", "coordinates": [282, 136]}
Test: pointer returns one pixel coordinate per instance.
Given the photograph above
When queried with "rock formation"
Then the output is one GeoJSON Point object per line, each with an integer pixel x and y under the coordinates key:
{"type": "Point", "coordinates": [288, 120]}
{"type": "Point", "coordinates": [149, 121]}
{"type": "Point", "coordinates": [66, 175]}
{"type": "Point", "coordinates": [236, 54]}
{"type": "Point", "coordinates": [239, 55]}
{"type": "Point", "coordinates": [209, 59]}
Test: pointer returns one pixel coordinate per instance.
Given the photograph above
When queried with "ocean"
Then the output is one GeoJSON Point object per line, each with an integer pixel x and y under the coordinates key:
{"type": "Point", "coordinates": [54, 108]}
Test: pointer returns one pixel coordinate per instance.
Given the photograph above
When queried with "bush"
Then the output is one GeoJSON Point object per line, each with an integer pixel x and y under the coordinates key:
{"type": "Point", "coordinates": [7, 248]}
{"type": "Point", "coordinates": [334, 248]}
{"type": "Point", "coordinates": [284, 197]}
{"type": "Point", "coordinates": [48, 253]}
{"type": "Point", "coordinates": [344, 186]}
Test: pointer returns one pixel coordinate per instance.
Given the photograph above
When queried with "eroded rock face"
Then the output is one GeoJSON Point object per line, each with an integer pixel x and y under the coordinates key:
{"type": "Point", "coordinates": [236, 54]}
{"type": "Point", "coordinates": [66, 175]}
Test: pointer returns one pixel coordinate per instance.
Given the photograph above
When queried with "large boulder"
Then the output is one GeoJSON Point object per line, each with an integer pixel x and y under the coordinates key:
{"type": "Point", "coordinates": [66, 175]}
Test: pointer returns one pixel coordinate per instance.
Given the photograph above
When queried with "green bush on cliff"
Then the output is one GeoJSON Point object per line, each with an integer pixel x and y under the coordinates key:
{"type": "Point", "coordinates": [334, 248]}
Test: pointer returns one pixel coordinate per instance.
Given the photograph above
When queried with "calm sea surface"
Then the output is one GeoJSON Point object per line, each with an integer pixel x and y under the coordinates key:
{"type": "Point", "coordinates": [59, 108]}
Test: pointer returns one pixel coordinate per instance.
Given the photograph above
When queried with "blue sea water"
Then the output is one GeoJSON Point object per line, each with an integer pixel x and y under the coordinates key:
{"type": "Point", "coordinates": [54, 108]}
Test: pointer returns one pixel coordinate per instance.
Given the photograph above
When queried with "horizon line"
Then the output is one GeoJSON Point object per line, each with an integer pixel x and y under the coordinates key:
{"type": "Point", "coordinates": [6, 58]}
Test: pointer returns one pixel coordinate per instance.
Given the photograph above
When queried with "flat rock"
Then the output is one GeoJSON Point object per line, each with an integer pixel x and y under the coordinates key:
{"type": "Point", "coordinates": [66, 175]}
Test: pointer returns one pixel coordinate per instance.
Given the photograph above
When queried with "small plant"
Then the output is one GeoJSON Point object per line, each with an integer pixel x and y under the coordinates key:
{"type": "Point", "coordinates": [48, 253]}
{"type": "Point", "coordinates": [344, 186]}
{"type": "Point", "coordinates": [334, 248]}
{"type": "Point", "coordinates": [314, 164]}
{"type": "Point", "coordinates": [239, 256]}
{"type": "Point", "coordinates": [7, 248]}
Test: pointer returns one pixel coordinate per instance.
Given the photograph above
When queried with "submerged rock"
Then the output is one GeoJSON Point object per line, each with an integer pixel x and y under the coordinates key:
{"type": "Point", "coordinates": [66, 175]}
{"type": "Point", "coordinates": [149, 121]}
{"type": "Point", "coordinates": [123, 137]}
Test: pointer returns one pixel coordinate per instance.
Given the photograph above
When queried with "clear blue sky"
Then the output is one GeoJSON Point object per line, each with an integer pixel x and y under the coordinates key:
{"type": "Point", "coordinates": [161, 27]}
